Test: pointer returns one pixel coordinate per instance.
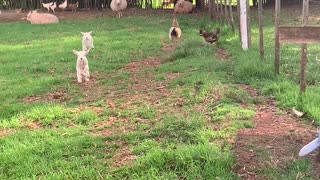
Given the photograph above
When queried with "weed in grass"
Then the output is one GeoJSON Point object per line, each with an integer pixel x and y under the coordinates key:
{"type": "Point", "coordinates": [178, 129]}
{"type": "Point", "coordinates": [237, 95]}
{"type": "Point", "coordinates": [134, 137]}
{"type": "Point", "coordinates": [229, 112]}
{"type": "Point", "coordinates": [86, 117]}
{"type": "Point", "coordinates": [146, 112]}
{"type": "Point", "coordinates": [145, 147]}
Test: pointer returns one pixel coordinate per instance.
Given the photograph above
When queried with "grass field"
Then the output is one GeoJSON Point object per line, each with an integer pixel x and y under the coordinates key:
{"type": "Point", "coordinates": [176, 120]}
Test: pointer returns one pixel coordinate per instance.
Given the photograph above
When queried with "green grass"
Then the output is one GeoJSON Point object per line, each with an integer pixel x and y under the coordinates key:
{"type": "Point", "coordinates": [52, 154]}
{"type": "Point", "coordinates": [184, 136]}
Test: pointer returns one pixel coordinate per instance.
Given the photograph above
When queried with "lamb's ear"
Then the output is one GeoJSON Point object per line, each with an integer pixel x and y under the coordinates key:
{"type": "Point", "coordinates": [82, 33]}
{"type": "Point", "coordinates": [75, 52]}
{"type": "Point", "coordinates": [90, 32]}
{"type": "Point", "coordinates": [86, 52]}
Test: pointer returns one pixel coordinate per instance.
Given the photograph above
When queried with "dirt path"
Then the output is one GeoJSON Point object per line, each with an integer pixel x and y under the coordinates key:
{"type": "Point", "coordinates": [274, 142]}
{"type": "Point", "coordinates": [14, 16]}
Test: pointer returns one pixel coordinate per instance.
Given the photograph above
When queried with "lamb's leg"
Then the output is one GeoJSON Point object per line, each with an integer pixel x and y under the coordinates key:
{"type": "Point", "coordinates": [86, 74]}
{"type": "Point", "coordinates": [86, 77]}
{"type": "Point", "coordinates": [79, 76]}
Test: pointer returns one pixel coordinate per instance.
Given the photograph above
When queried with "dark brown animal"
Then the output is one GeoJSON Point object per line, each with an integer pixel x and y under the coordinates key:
{"type": "Point", "coordinates": [210, 37]}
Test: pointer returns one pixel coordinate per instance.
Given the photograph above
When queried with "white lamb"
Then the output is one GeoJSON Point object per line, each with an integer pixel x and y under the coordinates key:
{"type": "Point", "coordinates": [87, 41]}
{"type": "Point", "coordinates": [63, 5]}
{"type": "Point", "coordinates": [47, 5]}
{"type": "Point", "coordinates": [118, 6]}
{"type": "Point", "coordinates": [53, 7]}
{"type": "Point", "coordinates": [41, 18]}
{"type": "Point", "coordinates": [82, 65]}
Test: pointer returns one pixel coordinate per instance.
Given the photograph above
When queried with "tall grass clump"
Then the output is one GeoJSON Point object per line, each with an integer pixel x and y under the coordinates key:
{"type": "Point", "coordinates": [202, 161]}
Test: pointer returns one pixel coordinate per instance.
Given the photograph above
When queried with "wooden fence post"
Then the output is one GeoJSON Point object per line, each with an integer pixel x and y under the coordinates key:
{"type": "Point", "coordinates": [231, 15]}
{"type": "Point", "coordinates": [304, 58]}
{"type": "Point", "coordinates": [276, 39]}
{"type": "Point", "coordinates": [261, 30]}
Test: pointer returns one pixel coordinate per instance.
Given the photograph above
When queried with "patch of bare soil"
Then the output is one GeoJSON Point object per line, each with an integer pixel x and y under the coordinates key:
{"type": "Point", "coordinates": [274, 142]}
{"type": "Point", "coordinates": [5, 132]}
{"type": "Point", "coordinates": [146, 63]}
{"type": "Point", "coordinates": [169, 47]}
{"type": "Point", "coordinates": [123, 157]}
{"type": "Point", "coordinates": [57, 96]}
{"type": "Point", "coordinates": [222, 54]}
{"type": "Point", "coordinates": [92, 90]}
{"type": "Point", "coordinates": [12, 16]}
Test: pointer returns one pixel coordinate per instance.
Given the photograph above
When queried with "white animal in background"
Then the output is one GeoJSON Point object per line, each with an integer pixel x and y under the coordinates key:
{"type": "Point", "coordinates": [74, 6]}
{"type": "Point", "coordinates": [118, 6]}
{"type": "Point", "coordinates": [183, 6]}
{"type": "Point", "coordinates": [47, 5]}
{"type": "Point", "coordinates": [87, 41]}
{"type": "Point", "coordinates": [0, 12]}
{"type": "Point", "coordinates": [53, 6]}
{"type": "Point", "coordinates": [82, 65]}
{"type": "Point", "coordinates": [63, 6]}
{"type": "Point", "coordinates": [41, 18]}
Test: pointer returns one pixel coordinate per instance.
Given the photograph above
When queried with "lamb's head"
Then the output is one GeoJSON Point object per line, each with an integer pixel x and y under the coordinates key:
{"type": "Point", "coordinates": [30, 15]}
{"type": "Point", "coordinates": [180, 3]}
{"type": "Point", "coordinates": [81, 55]}
{"type": "Point", "coordinates": [118, 2]}
{"type": "Point", "coordinates": [86, 35]}
{"type": "Point", "coordinates": [87, 41]}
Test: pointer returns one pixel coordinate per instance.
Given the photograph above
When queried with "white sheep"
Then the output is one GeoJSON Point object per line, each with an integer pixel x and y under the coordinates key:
{"type": "Point", "coordinates": [87, 41]}
{"type": "Point", "coordinates": [82, 65]}
{"type": "Point", "coordinates": [118, 6]}
{"type": "Point", "coordinates": [41, 18]}
{"type": "Point", "coordinates": [53, 7]}
{"type": "Point", "coordinates": [47, 5]}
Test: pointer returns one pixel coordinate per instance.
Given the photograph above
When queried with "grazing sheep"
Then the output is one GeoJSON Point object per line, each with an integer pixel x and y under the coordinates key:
{"type": "Point", "coordinates": [118, 6]}
{"type": "Point", "coordinates": [47, 5]}
{"type": "Point", "coordinates": [87, 41]}
{"type": "Point", "coordinates": [82, 65]}
{"type": "Point", "coordinates": [183, 6]}
{"type": "Point", "coordinates": [41, 18]}
{"type": "Point", "coordinates": [74, 7]}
